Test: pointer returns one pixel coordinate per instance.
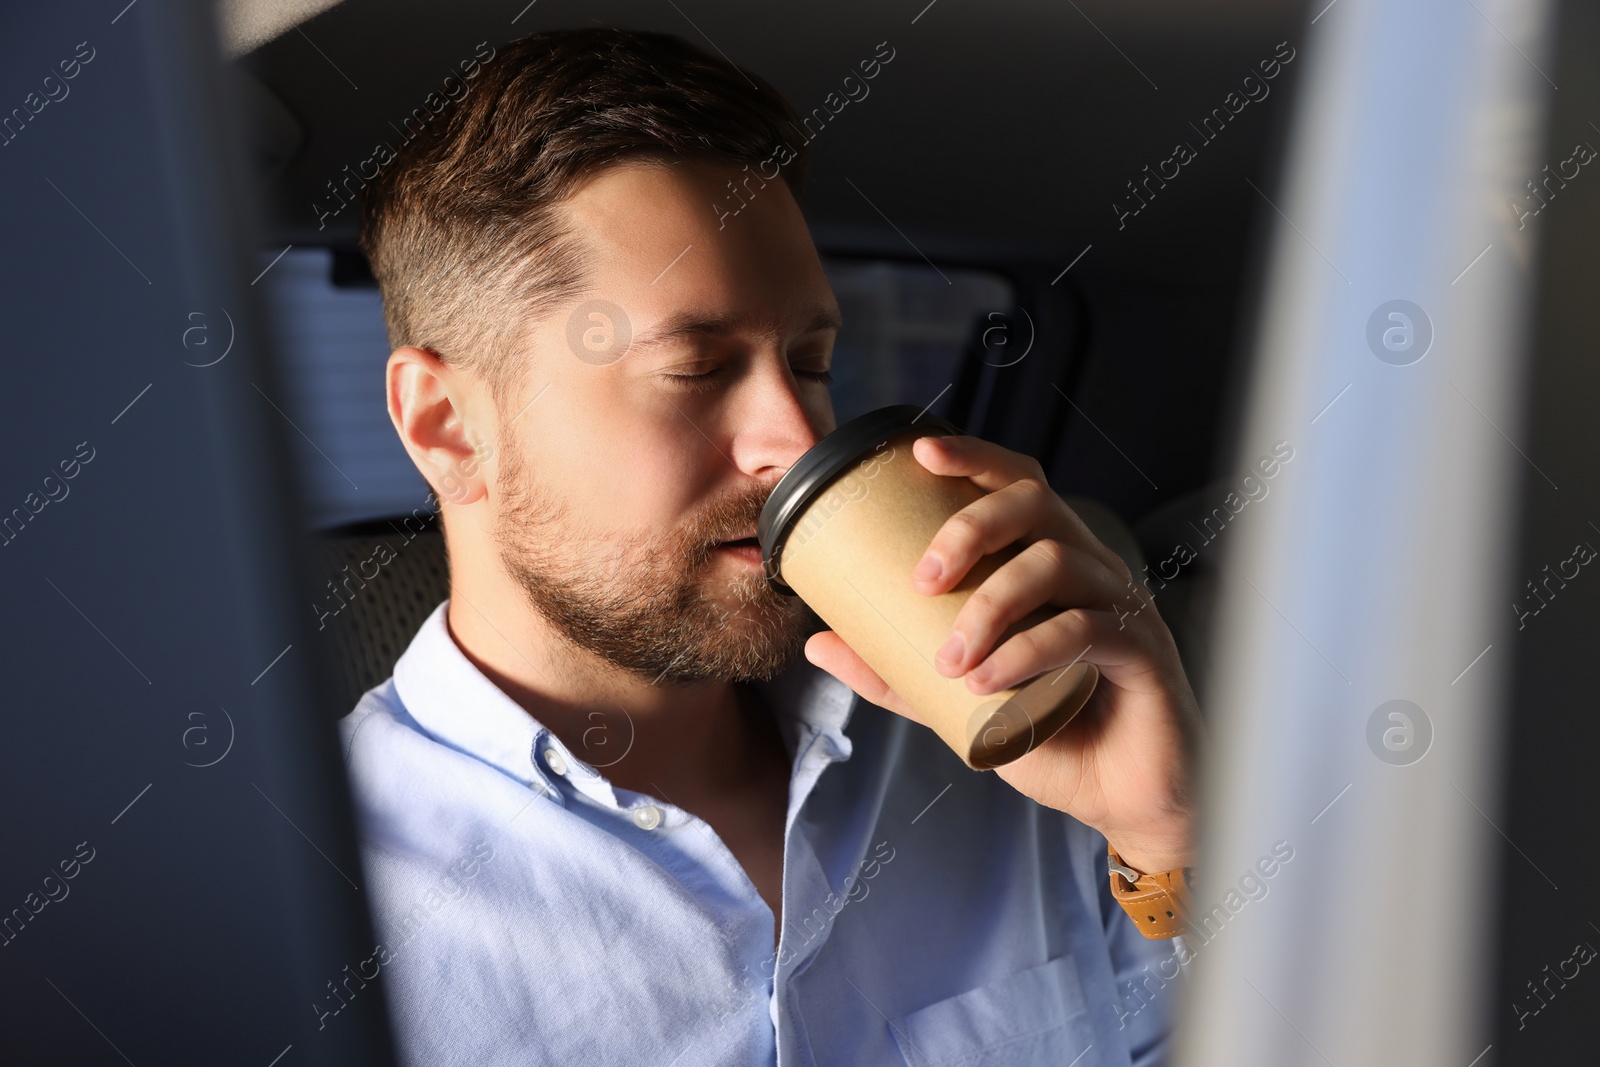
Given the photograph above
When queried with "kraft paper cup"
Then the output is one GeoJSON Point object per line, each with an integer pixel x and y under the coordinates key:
{"type": "Point", "coordinates": [843, 530]}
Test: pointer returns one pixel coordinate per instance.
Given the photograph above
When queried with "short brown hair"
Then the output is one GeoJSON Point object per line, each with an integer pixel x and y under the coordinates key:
{"type": "Point", "coordinates": [461, 228]}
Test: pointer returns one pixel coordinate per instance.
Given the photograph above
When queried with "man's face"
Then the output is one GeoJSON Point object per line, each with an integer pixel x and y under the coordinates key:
{"type": "Point", "coordinates": [622, 481]}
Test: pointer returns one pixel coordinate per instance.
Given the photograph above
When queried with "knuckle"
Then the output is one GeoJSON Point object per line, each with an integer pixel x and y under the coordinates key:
{"type": "Point", "coordinates": [965, 524]}
{"type": "Point", "coordinates": [1050, 550]}
{"type": "Point", "coordinates": [1033, 485]}
{"type": "Point", "coordinates": [1076, 621]}
{"type": "Point", "coordinates": [962, 531]}
{"type": "Point", "coordinates": [1024, 646]}
{"type": "Point", "coordinates": [981, 606]}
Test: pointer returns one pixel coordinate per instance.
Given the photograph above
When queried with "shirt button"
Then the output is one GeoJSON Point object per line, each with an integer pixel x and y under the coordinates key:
{"type": "Point", "coordinates": [647, 817]}
{"type": "Point", "coordinates": [553, 759]}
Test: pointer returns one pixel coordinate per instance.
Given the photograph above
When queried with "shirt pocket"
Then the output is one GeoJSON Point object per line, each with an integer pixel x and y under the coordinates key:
{"type": "Point", "coordinates": [1032, 1017]}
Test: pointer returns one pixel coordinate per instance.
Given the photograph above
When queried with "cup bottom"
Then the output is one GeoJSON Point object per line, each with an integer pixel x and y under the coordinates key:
{"type": "Point", "coordinates": [1034, 714]}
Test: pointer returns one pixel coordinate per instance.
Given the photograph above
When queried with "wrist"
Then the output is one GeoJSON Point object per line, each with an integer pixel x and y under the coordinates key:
{"type": "Point", "coordinates": [1154, 851]}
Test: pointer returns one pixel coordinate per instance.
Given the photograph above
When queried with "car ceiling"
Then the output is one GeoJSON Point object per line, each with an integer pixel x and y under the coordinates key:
{"type": "Point", "coordinates": [1000, 130]}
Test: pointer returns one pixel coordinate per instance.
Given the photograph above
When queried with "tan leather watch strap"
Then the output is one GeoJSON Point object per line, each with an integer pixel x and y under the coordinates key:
{"type": "Point", "coordinates": [1158, 904]}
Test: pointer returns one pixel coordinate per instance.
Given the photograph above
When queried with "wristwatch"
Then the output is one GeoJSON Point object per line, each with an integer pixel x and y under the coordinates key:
{"type": "Point", "coordinates": [1158, 904]}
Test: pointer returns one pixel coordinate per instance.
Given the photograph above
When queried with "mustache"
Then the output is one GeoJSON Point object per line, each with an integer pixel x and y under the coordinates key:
{"type": "Point", "coordinates": [728, 518]}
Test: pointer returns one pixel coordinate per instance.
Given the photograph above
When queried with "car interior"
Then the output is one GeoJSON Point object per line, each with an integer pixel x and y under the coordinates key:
{"type": "Point", "coordinates": [1068, 229]}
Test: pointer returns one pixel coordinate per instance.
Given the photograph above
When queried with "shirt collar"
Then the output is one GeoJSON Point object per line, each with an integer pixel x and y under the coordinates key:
{"type": "Point", "coordinates": [456, 704]}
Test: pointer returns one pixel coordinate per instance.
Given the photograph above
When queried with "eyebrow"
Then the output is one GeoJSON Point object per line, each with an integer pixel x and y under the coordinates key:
{"type": "Point", "coordinates": [694, 325]}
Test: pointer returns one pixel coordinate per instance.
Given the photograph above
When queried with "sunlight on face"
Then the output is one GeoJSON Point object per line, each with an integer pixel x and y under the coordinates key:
{"type": "Point", "coordinates": [675, 395]}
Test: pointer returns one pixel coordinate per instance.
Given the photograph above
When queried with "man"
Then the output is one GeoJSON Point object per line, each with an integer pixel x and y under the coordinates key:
{"type": "Point", "coordinates": [610, 814]}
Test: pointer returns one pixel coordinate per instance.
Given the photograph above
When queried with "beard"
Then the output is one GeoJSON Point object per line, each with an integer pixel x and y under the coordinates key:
{"type": "Point", "coordinates": [643, 600]}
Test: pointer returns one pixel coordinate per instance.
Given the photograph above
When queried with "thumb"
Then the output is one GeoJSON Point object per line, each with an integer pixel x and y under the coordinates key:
{"type": "Point", "coordinates": [828, 651]}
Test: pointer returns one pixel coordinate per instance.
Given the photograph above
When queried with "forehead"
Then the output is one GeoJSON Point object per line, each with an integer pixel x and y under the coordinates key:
{"type": "Point", "coordinates": [661, 238]}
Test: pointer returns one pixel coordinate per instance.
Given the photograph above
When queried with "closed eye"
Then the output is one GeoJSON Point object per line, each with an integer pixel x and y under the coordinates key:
{"type": "Point", "coordinates": [709, 380]}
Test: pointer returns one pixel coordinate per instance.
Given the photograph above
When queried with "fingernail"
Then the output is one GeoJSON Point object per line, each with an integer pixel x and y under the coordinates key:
{"type": "Point", "coordinates": [953, 649]}
{"type": "Point", "coordinates": [928, 570]}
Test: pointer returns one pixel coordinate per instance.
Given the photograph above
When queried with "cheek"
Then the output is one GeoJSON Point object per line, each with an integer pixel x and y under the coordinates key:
{"type": "Point", "coordinates": [627, 468]}
{"type": "Point", "coordinates": [668, 470]}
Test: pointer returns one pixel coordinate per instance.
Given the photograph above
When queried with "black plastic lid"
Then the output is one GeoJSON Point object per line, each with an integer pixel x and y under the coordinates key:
{"type": "Point", "coordinates": [826, 459]}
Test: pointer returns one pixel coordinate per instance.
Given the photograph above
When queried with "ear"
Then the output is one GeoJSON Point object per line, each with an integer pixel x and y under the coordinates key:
{"type": "Point", "coordinates": [428, 406]}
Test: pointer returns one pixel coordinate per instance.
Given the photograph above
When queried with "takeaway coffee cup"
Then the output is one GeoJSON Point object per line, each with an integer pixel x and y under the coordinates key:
{"type": "Point", "coordinates": [843, 530]}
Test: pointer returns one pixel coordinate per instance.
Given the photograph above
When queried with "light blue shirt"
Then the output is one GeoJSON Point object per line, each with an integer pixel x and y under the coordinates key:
{"type": "Point", "coordinates": [530, 912]}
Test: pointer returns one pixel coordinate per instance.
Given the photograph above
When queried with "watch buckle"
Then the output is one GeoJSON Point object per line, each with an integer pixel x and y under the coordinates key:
{"type": "Point", "coordinates": [1132, 876]}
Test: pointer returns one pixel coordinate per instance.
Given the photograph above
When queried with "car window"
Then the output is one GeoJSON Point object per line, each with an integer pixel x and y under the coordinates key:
{"type": "Point", "coordinates": [906, 327]}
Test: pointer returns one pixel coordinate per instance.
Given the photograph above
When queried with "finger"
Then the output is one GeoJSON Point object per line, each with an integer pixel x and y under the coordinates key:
{"type": "Point", "coordinates": [828, 651]}
{"type": "Point", "coordinates": [993, 468]}
{"type": "Point", "coordinates": [1125, 654]}
{"type": "Point", "coordinates": [1079, 534]}
{"type": "Point", "coordinates": [1046, 572]}
{"type": "Point", "coordinates": [990, 465]}
{"type": "Point", "coordinates": [1017, 512]}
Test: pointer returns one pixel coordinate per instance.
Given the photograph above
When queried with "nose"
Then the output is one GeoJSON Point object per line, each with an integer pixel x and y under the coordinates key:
{"type": "Point", "coordinates": [778, 419]}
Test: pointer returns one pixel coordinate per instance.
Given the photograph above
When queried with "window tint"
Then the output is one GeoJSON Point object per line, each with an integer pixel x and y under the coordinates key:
{"type": "Point", "coordinates": [332, 347]}
{"type": "Point", "coordinates": [905, 330]}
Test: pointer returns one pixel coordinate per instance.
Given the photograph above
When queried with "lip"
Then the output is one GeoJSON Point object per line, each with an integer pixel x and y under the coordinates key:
{"type": "Point", "coordinates": [747, 549]}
